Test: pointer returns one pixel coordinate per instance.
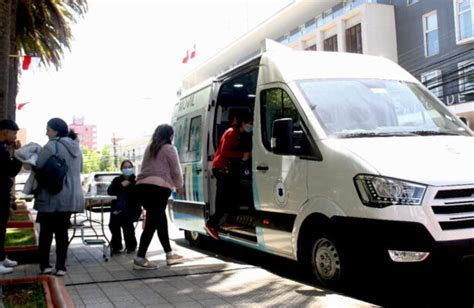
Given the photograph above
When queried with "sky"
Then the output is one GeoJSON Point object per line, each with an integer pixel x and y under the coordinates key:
{"type": "Point", "coordinates": [124, 68]}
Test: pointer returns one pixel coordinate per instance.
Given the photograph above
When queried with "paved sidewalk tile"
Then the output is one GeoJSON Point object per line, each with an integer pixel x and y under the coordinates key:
{"type": "Point", "coordinates": [200, 281]}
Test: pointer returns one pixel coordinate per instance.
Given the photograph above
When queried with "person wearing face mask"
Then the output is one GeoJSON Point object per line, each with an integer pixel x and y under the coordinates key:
{"type": "Point", "coordinates": [9, 168]}
{"type": "Point", "coordinates": [121, 217]}
{"type": "Point", "coordinates": [226, 167]}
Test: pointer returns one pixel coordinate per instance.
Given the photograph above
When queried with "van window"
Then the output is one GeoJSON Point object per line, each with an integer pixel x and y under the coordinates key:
{"type": "Point", "coordinates": [276, 104]}
{"type": "Point", "coordinates": [180, 140]}
{"type": "Point", "coordinates": [188, 138]}
{"type": "Point", "coordinates": [366, 107]}
{"type": "Point", "coordinates": [194, 145]}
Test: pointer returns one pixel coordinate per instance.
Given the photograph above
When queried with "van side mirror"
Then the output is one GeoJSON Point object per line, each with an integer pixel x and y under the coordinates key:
{"type": "Point", "coordinates": [281, 141]}
{"type": "Point", "coordinates": [285, 140]}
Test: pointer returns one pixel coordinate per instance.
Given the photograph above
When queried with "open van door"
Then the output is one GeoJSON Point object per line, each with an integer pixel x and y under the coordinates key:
{"type": "Point", "coordinates": [190, 122]}
{"type": "Point", "coordinates": [280, 177]}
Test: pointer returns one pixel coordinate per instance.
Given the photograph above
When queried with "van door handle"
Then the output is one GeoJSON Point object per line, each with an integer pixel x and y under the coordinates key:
{"type": "Point", "coordinates": [262, 168]}
{"type": "Point", "coordinates": [198, 170]}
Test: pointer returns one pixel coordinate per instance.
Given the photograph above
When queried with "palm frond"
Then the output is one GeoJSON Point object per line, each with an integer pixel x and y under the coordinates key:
{"type": "Point", "coordinates": [44, 27]}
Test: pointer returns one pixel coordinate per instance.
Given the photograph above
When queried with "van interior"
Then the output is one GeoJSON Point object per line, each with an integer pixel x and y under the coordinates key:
{"type": "Point", "coordinates": [236, 95]}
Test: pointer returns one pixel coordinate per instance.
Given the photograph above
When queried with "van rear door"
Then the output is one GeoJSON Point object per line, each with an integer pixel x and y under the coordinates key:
{"type": "Point", "coordinates": [191, 135]}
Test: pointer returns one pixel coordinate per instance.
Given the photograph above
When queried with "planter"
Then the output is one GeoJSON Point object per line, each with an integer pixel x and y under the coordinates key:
{"type": "Point", "coordinates": [50, 291]}
{"type": "Point", "coordinates": [21, 239]}
{"type": "Point", "coordinates": [20, 219]}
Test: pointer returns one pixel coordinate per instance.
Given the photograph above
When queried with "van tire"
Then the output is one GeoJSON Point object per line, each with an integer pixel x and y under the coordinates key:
{"type": "Point", "coordinates": [327, 262]}
{"type": "Point", "coordinates": [194, 238]}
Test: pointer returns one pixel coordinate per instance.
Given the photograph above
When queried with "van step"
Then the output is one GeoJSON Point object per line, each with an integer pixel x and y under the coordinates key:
{"type": "Point", "coordinates": [76, 226]}
{"type": "Point", "coordinates": [94, 242]}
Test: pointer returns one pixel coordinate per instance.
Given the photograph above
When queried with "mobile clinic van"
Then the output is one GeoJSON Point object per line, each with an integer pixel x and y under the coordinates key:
{"type": "Point", "coordinates": [351, 158]}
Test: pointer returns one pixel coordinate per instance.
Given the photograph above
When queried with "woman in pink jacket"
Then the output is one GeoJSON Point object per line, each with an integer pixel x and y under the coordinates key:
{"type": "Point", "coordinates": [160, 173]}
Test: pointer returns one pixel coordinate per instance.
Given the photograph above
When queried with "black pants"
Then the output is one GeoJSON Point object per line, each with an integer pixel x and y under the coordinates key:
{"type": "Point", "coordinates": [118, 223]}
{"type": "Point", "coordinates": [154, 199]}
{"type": "Point", "coordinates": [4, 212]}
{"type": "Point", "coordinates": [227, 186]}
{"type": "Point", "coordinates": [53, 223]}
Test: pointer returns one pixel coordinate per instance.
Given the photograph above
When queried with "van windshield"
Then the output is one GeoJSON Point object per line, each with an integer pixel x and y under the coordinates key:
{"type": "Point", "coordinates": [365, 108]}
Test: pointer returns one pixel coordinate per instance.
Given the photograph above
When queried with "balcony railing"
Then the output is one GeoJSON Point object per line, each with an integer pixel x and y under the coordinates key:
{"type": "Point", "coordinates": [336, 11]}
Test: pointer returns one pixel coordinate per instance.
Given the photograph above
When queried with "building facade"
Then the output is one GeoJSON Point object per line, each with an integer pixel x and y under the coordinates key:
{"type": "Point", "coordinates": [429, 38]}
{"type": "Point", "coordinates": [436, 45]}
{"type": "Point", "coordinates": [87, 133]}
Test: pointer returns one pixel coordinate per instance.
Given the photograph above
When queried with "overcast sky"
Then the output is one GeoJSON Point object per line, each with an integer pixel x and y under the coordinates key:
{"type": "Point", "coordinates": [125, 67]}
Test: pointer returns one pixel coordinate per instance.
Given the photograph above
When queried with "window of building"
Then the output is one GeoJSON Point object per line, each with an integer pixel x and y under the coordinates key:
{"type": "Point", "coordinates": [330, 44]}
{"type": "Point", "coordinates": [433, 81]}
{"type": "Point", "coordinates": [311, 47]}
{"type": "Point", "coordinates": [411, 2]}
{"type": "Point", "coordinates": [466, 77]}
{"type": "Point", "coordinates": [463, 14]}
{"type": "Point", "coordinates": [354, 39]}
{"type": "Point", "coordinates": [430, 30]}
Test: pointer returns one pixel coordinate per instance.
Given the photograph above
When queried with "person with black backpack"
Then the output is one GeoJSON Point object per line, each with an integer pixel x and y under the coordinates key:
{"type": "Point", "coordinates": [60, 161]}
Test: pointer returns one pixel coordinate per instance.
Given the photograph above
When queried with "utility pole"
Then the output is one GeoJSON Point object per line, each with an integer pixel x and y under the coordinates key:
{"type": "Point", "coordinates": [114, 143]}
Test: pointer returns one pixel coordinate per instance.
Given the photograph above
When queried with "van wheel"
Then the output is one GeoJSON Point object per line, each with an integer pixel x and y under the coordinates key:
{"type": "Point", "coordinates": [326, 261]}
{"type": "Point", "coordinates": [194, 238]}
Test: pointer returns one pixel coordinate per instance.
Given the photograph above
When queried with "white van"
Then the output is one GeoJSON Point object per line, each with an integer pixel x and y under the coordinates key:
{"type": "Point", "coordinates": [352, 159]}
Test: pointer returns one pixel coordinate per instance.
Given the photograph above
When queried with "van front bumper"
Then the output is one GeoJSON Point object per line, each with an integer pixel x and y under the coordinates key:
{"type": "Point", "coordinates": [381, 236]}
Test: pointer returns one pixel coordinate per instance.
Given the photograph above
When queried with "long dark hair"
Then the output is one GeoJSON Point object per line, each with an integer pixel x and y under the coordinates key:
{"type": "Point", "coordinates": [161, 136]}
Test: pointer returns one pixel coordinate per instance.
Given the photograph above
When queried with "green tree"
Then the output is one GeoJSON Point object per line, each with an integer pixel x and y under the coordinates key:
{"type": "Point", "coordinates": [41, 28]}
{"type": "Point", "coordinates": [106, 163]}
{"type": "Point", "coordinates": [90, 160]}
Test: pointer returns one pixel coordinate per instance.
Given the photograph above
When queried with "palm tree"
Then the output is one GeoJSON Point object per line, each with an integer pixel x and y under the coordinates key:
{"type": "Point", "coordinates": [5, 7]}
{"type": "Point", "coordinates": [40, 28]}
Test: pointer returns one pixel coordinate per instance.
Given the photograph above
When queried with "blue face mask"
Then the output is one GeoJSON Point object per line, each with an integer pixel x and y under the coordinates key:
{"type": "Point", "coordinates": [127, 171]}
{"type": "Point", "coordinates": [248, 128]}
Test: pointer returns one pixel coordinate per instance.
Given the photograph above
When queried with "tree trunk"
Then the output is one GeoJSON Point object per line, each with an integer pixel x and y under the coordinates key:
{"type": "Point", "coordinates": [5, 11]}
{"type": "Point", "coordinates": [14, 62]}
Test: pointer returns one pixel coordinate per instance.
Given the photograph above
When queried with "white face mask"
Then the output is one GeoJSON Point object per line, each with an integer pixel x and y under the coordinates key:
{"type": "Point", "coordinates": [127, 172]}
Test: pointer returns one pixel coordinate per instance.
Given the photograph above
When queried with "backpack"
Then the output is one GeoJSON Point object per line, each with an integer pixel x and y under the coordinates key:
{"type": "Point", "coordinates": [51, 175]}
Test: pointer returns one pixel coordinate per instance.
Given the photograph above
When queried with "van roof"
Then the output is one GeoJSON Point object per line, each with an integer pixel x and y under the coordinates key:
{"type": "Point", "coordinates": [286, 66]}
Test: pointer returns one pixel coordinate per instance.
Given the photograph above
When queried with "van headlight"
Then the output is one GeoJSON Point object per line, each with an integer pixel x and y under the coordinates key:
{"type": "Point", "coordinates": [378, 191]}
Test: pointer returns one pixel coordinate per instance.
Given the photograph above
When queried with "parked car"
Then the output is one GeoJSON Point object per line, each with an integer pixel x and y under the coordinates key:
{"type": "Point", "coordinates": [97, 183]}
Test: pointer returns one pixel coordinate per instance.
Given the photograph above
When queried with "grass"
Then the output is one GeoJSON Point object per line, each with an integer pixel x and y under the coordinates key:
{"type": "Point", "coordinates": [24, 295]}
{"type": "Point", "coordinates": [19, 217]}
{"type": "Point", "coordinates": [17, 237]}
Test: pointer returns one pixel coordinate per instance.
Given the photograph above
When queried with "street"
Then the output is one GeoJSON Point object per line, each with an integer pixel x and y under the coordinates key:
{"type": "Point", "coordinates": [453, 288]}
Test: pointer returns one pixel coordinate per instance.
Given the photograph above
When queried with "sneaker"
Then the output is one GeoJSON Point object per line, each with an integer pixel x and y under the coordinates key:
{"type": "Point", "coordinates": [5, 270]}
{"type": "Point", "coordinates": [60, 273]}
{"type": "Point", "coordinates": [212, 232]}
{"type": "Point", "coordinates": [129, 251]}
{"type": "Point", "coordinates": [174, 259]}
{"type": "Point", "coordinates": [47, 271]}
{"type": "Point", "coordinates": [9, 263]}
{"type": "Point", "coordinates": [144, 264]}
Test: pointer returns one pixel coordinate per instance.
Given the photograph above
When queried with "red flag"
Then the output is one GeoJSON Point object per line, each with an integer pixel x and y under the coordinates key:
{"type": "Point", "coordinates": [193, 53]}
{"type": "Point", "coordinates": [185, 59]}
{"type": "Point", "coordinates": [21, 105]}
{"type": "Point", "coordinates": [26, 62]}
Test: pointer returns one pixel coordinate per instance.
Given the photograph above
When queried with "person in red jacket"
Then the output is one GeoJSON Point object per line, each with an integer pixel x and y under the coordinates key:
{"type": "Point", "coordinates": [225, 167]}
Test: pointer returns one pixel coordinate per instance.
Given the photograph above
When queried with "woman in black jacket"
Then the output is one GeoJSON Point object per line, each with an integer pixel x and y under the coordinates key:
{"type": "Point", "coordinates": [122, 214]}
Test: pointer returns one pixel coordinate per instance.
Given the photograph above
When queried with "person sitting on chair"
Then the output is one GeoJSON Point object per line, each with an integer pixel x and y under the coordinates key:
{"type": "Point", "coordinates": [120, 212]}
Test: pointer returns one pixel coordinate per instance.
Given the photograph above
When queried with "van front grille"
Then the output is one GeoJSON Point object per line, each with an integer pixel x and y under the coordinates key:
{"type": "Point", "coordinates": [454, 208]}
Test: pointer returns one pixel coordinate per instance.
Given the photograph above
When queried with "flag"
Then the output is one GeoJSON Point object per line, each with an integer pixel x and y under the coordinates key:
{"type": "Point", "coordinates": [193, 53]}
{"type": "Point", "coordinates": [21, 105]}
{"type": "Point", "coordinates": [185, 59]}
{"type": "Point", "coordinates": [26, 62]}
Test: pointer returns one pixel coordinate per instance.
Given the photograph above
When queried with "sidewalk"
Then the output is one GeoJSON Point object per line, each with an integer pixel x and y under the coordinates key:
{"type": "Point", "coordinates": [200, 281]}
